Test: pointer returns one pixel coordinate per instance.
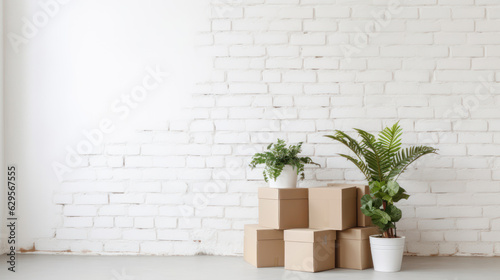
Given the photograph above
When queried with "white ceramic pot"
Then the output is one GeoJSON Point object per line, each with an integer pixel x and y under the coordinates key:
{"type": "Point", "coordinates": [286, 180]}
{"type": "Point", "coordinates": [387, 253]}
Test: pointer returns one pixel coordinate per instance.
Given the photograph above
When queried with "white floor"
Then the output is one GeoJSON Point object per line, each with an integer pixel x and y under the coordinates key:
{"type": "Point", "coordinates": [53, 267]}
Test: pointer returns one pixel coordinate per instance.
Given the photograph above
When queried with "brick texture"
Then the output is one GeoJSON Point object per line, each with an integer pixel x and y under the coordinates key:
{"type": "Point", "coordinates": [297, 70]}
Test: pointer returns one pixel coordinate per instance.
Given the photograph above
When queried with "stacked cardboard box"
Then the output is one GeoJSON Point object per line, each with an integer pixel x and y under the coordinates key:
{"type": "Point", "coordinates": [264, 247]}
{"type": "Point", "coordinates": [309, 249]}
{"type": "Point", "coordinates": [353, 248]}
{"type": "Point", "coordinates": [313, 229]}
{"type": "Point", "coordinates": [362, 220]}
{"type": "Point", "coordinates": [279, 209]}
{"type": "Point", "coordinates": [283, 208]}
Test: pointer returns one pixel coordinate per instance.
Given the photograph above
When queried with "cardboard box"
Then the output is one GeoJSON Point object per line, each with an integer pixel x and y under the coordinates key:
{"type": "Point", "coordinates": [309, 250]}
{"type": "Point", "coordinates": [263, 247]}
{"type": "Point", "coordinates": [332, 208]}
{"type": "Point", "coordinates": [353, 248]}
{"type": "Point", "coordinates": [283, 208]}
{"type": "Point", "coordinates": [363, 221]}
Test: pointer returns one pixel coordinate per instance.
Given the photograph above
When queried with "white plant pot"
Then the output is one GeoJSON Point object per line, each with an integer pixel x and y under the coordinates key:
{"type": "Point", "coordinates": [387, 253]}
{"type": "Point", "coordinates": [286, 180]}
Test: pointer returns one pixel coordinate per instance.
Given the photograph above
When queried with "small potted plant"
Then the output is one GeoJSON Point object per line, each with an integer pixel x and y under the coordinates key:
{"type": "Point", "coordinates": [282, 164]}
{"type": "Point", "coordinates": [382, 160]}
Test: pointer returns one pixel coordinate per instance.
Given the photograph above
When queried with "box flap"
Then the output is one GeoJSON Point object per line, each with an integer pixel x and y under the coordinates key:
{"type": "Point", "coordinates": [263, 233]}
{"type": "Point", "coordinates": [346, 192]}
{"type": "Point", "coordinates": [363, 221]}
{"type": "Point", "coordinates": [293, 193]}
{"type": "Point", "coordinates": [360, 186]}
{"type": "Point", "coordinates": [347, 186]}
{"type": "Point", "coordinates": [358, 233]}
{"type": "Point", "coordinates": [309, 235]}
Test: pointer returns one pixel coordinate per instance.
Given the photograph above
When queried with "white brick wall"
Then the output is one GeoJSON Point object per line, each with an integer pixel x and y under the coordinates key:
{"type": "Point", "coordinates": [282, 71]}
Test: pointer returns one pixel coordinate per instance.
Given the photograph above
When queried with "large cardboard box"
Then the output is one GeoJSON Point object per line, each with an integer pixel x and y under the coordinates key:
{"type": "Point", "coordinates": [263, 247]}
{"type": "Point", "coordinates": [309, 250]}
{"type": "Point", "coordinates": [353, 248]}
{"type": "Point", "coordinates": [283, 208]}
{"type": "Point", "coordinates": [363, 220]}
{"type": "Point", "coordinates": [332, 208]}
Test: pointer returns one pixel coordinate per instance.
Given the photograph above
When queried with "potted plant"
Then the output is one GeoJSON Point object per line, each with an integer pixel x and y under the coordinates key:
{"type": "Point", "coordinates": [282, 164]}
{"type": "Point", "coordinates": [382, 161]}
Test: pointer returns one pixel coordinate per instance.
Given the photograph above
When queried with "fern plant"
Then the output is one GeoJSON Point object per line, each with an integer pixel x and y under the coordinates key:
{"type": "Point", "coordinates": [382, 160]}
{"type": "Point", "coordinates": [277, 156]}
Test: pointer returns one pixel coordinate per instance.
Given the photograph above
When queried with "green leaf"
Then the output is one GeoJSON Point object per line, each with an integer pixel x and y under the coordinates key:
{"type": "Point", "coordinates": [366, 210]}
{"type": "Point", "coordinates": [265, 176]}
{"type": "Point", "coordinates": [384, 216]}
{"type": "Point", "coordinates": [377, 222]}
{"type": "Point", "coordinates": [381, 216]}
{"type": "Point", "coordinates": [377, 203]}
{"type": "Point", "coordinates": [365, 199]}
{"type": "Point", "coordinates": [400, 195]}
{"type": "Point", "coordinates": [392, 188]}
{"type": "Point", "coordinates": [387, 198]}
{"type": "Point", "coordinates": [375, 186]}
{"type": "Point", "coordinates": [367, 205]}
{"type": "Point", "coordinates": [394, 213]}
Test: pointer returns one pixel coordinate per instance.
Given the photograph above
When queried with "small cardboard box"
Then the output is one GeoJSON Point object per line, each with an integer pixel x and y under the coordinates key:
{"type": "Point", "coordinates": [309, 250]}
{"type": "Point", "coordinates": [363, 220]}
{"type": "Point", "coordinates": [263, 247]}
{"type": "Point", "coordinates": [332, 208]}
{"type": "Point", "coordinates": [283, 208]}
{"type": "Point", "coordinates": [353, 248]}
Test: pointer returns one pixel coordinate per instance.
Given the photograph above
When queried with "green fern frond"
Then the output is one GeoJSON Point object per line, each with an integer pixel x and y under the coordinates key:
{"type": "Point", "coordinates": [374, 155]}
{"type": "Point", "coordinates": [380, 159]}
{"type": "Point", "coordinates": [361, 165]}
{"type": "Point", "coordinates": [407, 156]}
{"type": "Point", "coordinates": [390, 139]}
